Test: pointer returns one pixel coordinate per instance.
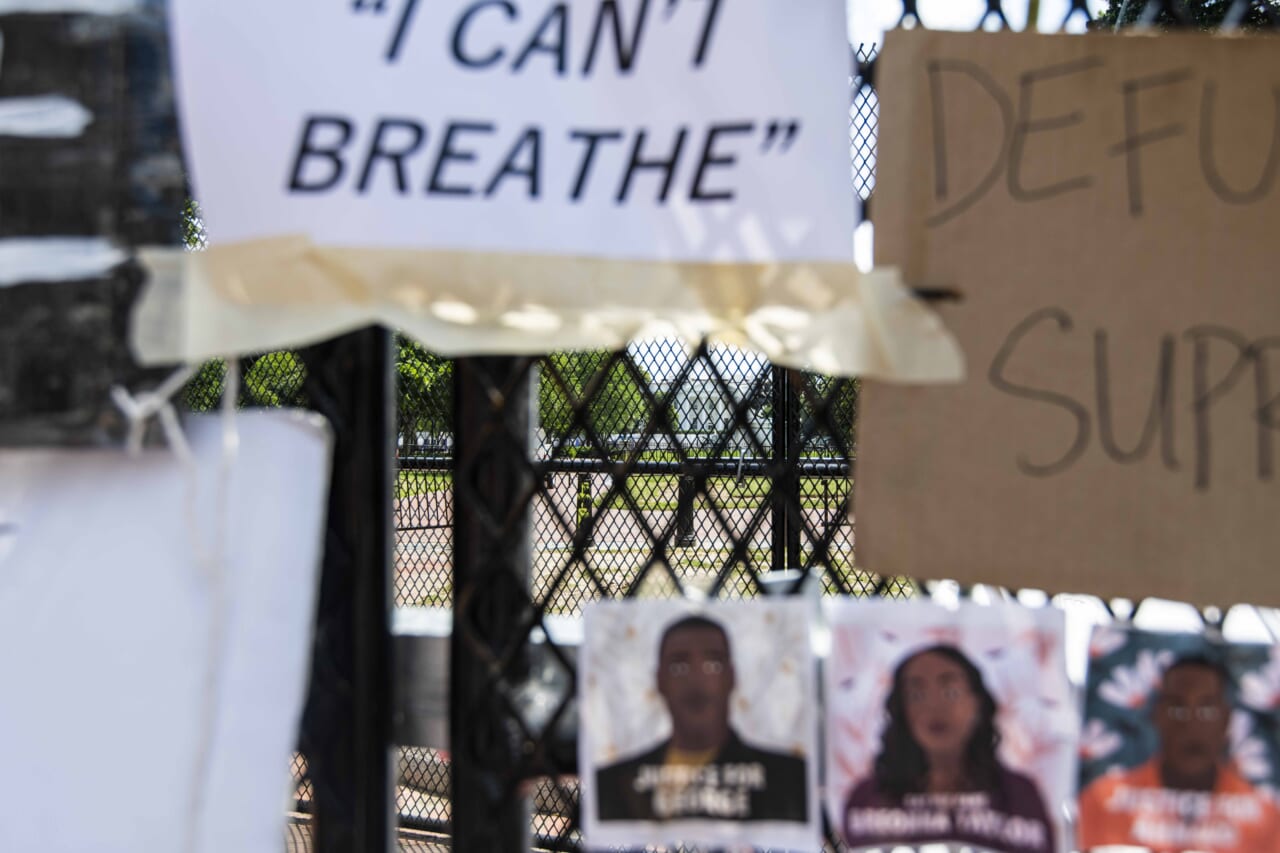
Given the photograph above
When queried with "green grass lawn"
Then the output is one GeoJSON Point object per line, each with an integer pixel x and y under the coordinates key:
{"type": "Point", "coordinates": [410, 483]}
{"type": "Point", "coordinates": [660, 493]}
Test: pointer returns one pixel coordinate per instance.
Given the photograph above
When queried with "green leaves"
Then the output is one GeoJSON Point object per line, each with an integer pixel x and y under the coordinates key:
{"type": "Point", "coordinates": [1204, 14]}
{"type": "Point", "coordinates": [424, 388]}
{"type": "Point", "coordinates": [617, 402]}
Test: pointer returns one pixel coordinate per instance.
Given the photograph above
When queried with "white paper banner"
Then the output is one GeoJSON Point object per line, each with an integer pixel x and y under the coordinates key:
{"type": "Point", "coordinates": [143, 710]}
{"type": "Point", "coordinates": [526, 175]}
{"type": "Point", "coordinates": [695, 130]}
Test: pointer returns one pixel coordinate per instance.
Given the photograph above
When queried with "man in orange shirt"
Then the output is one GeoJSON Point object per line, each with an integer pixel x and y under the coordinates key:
{"type": "Point", "coordinates": [1188, 796]}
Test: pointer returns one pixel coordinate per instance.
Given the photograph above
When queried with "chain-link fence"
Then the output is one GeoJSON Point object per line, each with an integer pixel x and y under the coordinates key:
{"type": "Point", "coordinates": [654, 471]}
{"type": "Point", "coordinates": [660, 469]}
{"type": "Point", "coordinates": [652, 453]}
{"type": "Point", "coordinates": [657, 470]}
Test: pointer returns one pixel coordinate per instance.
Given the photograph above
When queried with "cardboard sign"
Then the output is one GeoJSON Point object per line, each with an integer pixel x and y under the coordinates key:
{"type": "Point", "coordinates": [699, 724]}
{"type": "Point", "coordinates": [633, 129]}
{"type": "Point", "coordinates": [949, 726]}
{"type": "Point", "coordinates": [1105, 206]}
{"type": "Point", "coordinates": [1179, 748]}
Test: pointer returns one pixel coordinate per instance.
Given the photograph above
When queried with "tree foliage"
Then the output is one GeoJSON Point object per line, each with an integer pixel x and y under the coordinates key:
{"type": "Point", "coordinates": [618, 403]}
{"type": "Point", "coordinates": [274, 379]}
{"type": "Point", "coordinates": [192, 226]}
{"type": "Point", "coordinates": [270, 380]}
{"type": "Point", "coordinates": [1204, 14]}
{"type": "Point", "coordinates": [204, 391]}
{"type": "Point", "coordinates": [424, 390]}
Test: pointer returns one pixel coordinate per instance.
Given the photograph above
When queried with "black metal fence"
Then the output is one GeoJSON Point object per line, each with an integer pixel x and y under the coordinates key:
{"type": "Point", "coordinates": [651, 453]}
{"type": "Point", "coordinates": [653, 471]}
{"type": "Point", "coordinates": [526, 487]}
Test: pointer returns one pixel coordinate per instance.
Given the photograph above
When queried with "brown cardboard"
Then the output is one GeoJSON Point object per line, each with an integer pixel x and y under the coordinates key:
{"type": "Point", "coordinates": [1127, 204]}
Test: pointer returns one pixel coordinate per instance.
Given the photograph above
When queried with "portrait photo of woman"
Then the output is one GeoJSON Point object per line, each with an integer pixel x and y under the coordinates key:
{"type": "Point", "coordinates": [950, 723]}
{"type": "Point", "coordinates": [937, 776]}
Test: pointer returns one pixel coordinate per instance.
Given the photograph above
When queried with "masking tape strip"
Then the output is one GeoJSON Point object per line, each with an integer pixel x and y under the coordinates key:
{"type": "Point", "coordinates": [286, 292]}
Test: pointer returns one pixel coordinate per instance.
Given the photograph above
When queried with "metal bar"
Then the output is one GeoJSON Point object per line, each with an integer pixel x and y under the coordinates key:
{"type": "Point", "coordinates": [491, 571]}
{"type": "Point", "coordinates": [792, 473]}
{"type": "Point", "coordinates": [583, 506]}
{"type": "Point", "coordinates": [686, 495]}
{"type": "Point", "coordinates": [719, 467]}
{"type": "Point", "coordinates": [346, 730]}
{"type": "Point", "coordinates": [784, 535]}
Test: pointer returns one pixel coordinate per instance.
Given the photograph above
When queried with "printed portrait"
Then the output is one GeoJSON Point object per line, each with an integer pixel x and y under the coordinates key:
{"type": "Point", "coordinates": [698, 723]}
{"type": "Point", "coordinates": [1179, 748]}
{"type": "Point", "coordinates": [949, 725]}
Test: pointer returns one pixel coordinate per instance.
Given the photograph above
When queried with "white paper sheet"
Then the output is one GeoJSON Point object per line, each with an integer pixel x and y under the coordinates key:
{"type": "Point", "coordinates": [106, 617]}
{"type": "Point", "coordinates": [511, 126]}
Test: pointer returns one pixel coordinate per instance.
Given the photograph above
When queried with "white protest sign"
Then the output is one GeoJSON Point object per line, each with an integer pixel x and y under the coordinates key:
{"type": "Point", "coordinates": [527, 175]}
{"type": "Point", "coordinates": [695, 130]}
{"type": "Point", "coordinates": [152, 691]}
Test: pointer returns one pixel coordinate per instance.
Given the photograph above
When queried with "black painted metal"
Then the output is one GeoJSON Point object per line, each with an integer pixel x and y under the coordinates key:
{"type": "Point", "coordinates": [785, 531]}
{"type": "Point", "coordinates": [688, 492]}
{"type": "Point", "coordinates": [63, 345]}
{"type": "Point", "coordinates": [491, 573]}
{"type": "Point", "coordinates": [747, 466]}
{"type": "Point", "coordinates": [346, 731]}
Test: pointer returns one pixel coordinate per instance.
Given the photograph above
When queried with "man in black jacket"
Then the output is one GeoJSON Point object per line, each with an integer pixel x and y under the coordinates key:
{"type": "Point", "coordinates": [705, 770]}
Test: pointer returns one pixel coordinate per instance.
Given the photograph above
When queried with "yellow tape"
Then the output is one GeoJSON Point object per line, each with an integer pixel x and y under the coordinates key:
{"type": "Point", "coordinates": [286, 291]}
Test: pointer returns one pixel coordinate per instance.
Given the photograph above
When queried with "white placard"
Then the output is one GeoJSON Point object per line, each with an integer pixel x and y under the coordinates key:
{"type": "Point", "coordinates": [672, 130]}
{"type": "Point", "coordinates": [139, 712]}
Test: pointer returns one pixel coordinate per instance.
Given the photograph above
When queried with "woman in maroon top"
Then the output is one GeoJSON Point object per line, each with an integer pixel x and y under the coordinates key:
{"type": "Point", "coordinates": [937, 777]}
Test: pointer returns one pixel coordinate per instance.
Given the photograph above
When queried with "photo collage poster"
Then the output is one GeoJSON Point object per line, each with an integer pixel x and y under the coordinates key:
{"type": "Point", "coordinates": [944, 725]}
{"type": "Point", "coordinates": [1179, 748]}
{"type": "Point", "coordinates": [699, 724]}
{"type": "Point", "coordinates": [949, 725]}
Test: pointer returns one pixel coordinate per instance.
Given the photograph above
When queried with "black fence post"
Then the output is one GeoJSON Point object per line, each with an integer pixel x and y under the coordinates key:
{"type": "Point", "coordinates": [687, 493]}
{"type": "Point", "coordinates": [582, 507]}
{"type": "Point", "coordinates": [784, 535]}
{"type": "Point", "coordinates": [346, 728]}
{"type": "Point", "coordinates": [491, 572]}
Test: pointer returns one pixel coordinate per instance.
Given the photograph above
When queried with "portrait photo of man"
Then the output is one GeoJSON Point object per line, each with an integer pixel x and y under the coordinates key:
{"type": "Point", "coordinates": [1189, 794]}
{"type": "Point", "coordinates": [702, 768]}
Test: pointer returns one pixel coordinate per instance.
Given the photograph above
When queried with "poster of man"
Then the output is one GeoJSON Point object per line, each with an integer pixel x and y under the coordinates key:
{"type": "Point", "coordinates": [698, 724]}
{"type": "Point", "coordinates": [949, 725]}
{"type": "Point", "coordinates": [1179, 749]}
